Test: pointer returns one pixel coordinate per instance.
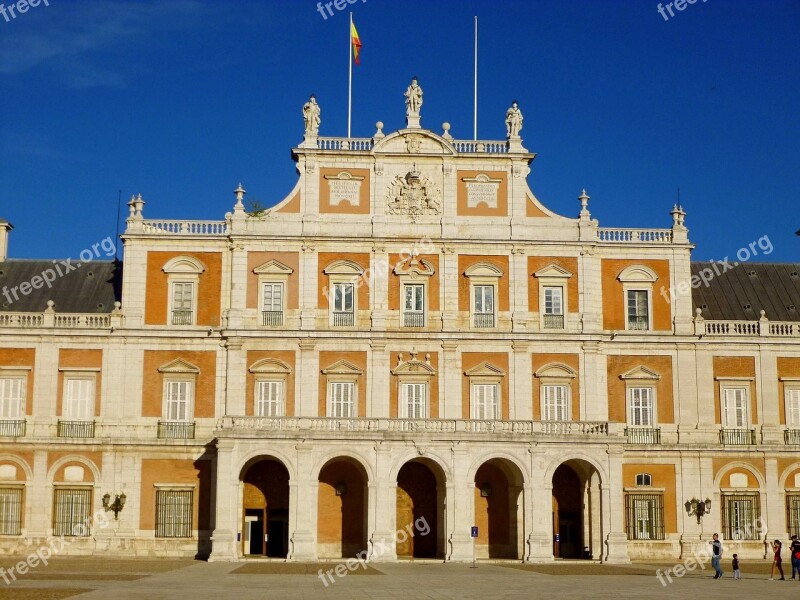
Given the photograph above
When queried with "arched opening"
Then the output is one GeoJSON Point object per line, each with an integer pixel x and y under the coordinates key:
{"type": "Point", "coordinates": [342, 509]}
{"type": "Point", "coordinates": [265, 498]}
{"type": "Point", "coordinates": [420, 510]}
{"type": "Point", "coordinates": [576, 510]}
{"type": "Point", "coordinates": [498, 506]}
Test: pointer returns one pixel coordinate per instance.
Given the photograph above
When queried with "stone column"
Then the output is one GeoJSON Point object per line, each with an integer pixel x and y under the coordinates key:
{"type": "Point", "coordinates": [379, 287]}
{"type": "Point", "coordinates": [773, 512]}
{"type": "Point", "coordinates": [540, 508]}
{"type": "Point", "coordinates": [768, 400]}
{"type": "Point", "coordinates": [613, 504]}
{"type": "Point", "coordinates": [383, 509]}
{"type": "Point", "coordinates": [460, 510]}
{"type": "Point", "coordinates": [237, 310]}
{"type": "Point", "coordinates": [303, 490]}
{"type": "Point", "coordinates": [306, 399]}
{"type": "Point", "coordinates": [519, 290]}
{"type": "Point", "coordinates": [37, 523]}
{"type": "Point", "coordinates": [308, 287]}
{"type": "Point", "coordinates": [224, 546]}
{"type": "Point", "coordinates": [236, 377]}
{"type": "Point", "coordinates": [378, 374]}
{"type": "Point", "coordinates": [449, 283]}
{"type": "Point", "coordinates": [594, 384]}
{"type": "Point", "coordinates": [450, 381]}
{"type": "Point", "coordinates": [520, 406]}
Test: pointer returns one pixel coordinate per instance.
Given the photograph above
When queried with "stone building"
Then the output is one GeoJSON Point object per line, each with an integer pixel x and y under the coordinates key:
{"type": "Point", "coordinates": [410, 341]}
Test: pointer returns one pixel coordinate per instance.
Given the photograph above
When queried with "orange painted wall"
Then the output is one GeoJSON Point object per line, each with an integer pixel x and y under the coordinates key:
{"type": "Point", "coordinates": [433, 384]}
{"type": "Point", "coordinates": [787, 367]}
{"type": "Point", "coordinates": [735, 366]}
{"type": "Point", "coordinates": [253, 356]}
{"type": "Point", "coordinates": [25, 457]}
{"type": "Point", "coordinates": [614, 309]}
{"type": "Point", "coordinates": [362, 283]}
{"type": "Point", "coordinates": [433, 282]}
{"type": "Point", "coordinates": [176, 472]}
{"type": "Point", "coordinates": [340, 519]}
{"type": "Point", "coordinates": [209, 291]}
{"type": "Point", "coordinates": [531, 210]}
{"type": "Point", "coordinates": [718, 464]}
{"type": "Point", "coordinates": [472, 359]}
{"type": "Point", "coordinates": [21, 357]}
{"type": "Point", "coordinates": [153, 381]}
{"type": "Point", "coordinates": [344, 207]}
{"type": "Point", "coordinates": [73, 358]}
{"type": "Point", "coordinates": [465, 261]}
{"type": "Point", "coordinates": [788, 467]}
{"type": "Point", "coordinates": [293, 206]}
{"type": "Point", "coordinates": [663, 476]}
{"type": "Point", "coordinates": [570, 360]}
{"type": "Point", "coordinates": [290, 259]}
{"type": "Point", "coordinates": [617, 400]}
{"type": "Point", "coordinates": [536, 263]}
{"type": "Point", "coordinates": [359, 359]}
{"type": "Point", "coordinates": [482, 210]}
{"type": "Point", "coordinates": [96, 458]}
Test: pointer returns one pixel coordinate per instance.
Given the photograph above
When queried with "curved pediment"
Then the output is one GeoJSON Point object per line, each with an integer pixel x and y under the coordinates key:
{"type": "Point", "coordinates": [414, 266]}
{"type": "Point", "coordinates": [414, 141]}
{"type": "Point", "coordinates": [271, 365]}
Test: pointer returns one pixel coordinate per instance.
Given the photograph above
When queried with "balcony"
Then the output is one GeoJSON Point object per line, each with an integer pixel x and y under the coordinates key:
{"type": "Point", "coordinates": [553, 321]}
{"type": "Point", "coordinates": [643, 435]}
{"type": "Point", "coordinates": [182, 317]}
{"type": "Point", "coordinates": [483, 320]}
{"type": "Point", "coordinates": [176, 430]}
{"type": "Point", "coordinates": [791, 437]}
{"type": "Point", "coordinates": [76, 429]}
{"type": "Point", "coordinates": [344, 319]}
{"type": "Point", "coordinates": [638, 323]}
{"type": "Point", "coordinates": [737, 437]}
{"type": "Point", "coordinates": [413, 319]}
{"type": "Point", "coordinates": [12, 428]}
{"type": "Point", "coordinates": [272, 318]}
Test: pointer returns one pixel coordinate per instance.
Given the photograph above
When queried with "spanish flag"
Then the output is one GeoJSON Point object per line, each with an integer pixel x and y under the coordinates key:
{"type": "Point", "coordinates": [356, 41]}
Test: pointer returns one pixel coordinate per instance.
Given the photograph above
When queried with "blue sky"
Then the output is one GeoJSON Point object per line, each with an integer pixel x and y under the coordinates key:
{"type": "Point", "coordinates": [180, 100]}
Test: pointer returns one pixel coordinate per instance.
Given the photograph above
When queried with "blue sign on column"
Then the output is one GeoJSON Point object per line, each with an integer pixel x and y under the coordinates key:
{"type": "Point", "coordinates": [474, 532]}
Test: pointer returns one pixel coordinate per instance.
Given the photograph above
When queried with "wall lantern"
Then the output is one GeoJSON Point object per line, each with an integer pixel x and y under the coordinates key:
{"type": "Point", "coordinates": [698, 508]}
{"type": "Point", "coordinates": [486, 490]}
{"type": "Point", "coordinates": [341, 488]}
{"type": "Point", "coordinates": [117, 505]}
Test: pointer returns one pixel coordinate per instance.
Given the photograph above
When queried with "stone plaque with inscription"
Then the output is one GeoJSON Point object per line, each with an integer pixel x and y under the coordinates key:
{"type": "Point", "coordinates": [344, 187]}
{"type": "Point", "coordinates": [482, 190]}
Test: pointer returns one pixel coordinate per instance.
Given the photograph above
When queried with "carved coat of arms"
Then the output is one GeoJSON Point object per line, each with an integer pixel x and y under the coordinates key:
{"type": "Point", "coordinates": [413, 195]}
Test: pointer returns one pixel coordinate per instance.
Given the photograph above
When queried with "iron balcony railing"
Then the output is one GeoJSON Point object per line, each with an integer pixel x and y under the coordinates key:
{"type": "Point", "coordinates": [643, 435]}
{"type": "Point", "coordinates": [413, 319]}
{"type": "Point", "coordinates": [484, 320]}
{"type": "Point", "coordinates": [272, 318]}
{"type": "Point", "coordinates": [792, 437]}
{"type": "Point", "coordinates": [344, 319]}
{"type": "Point", "coordinates": [182, 317]}
{"type": "Point", "coordinates": [76, 429]}
{"type": "Point", "coordinates": [176, 430]}
{"type": "Point", "coordinates": [12, 428]}
{"type": "Point", "coordinates": [737, 437]}
{"type": "Point", "coordinates": [554, 321]}
{"type": "Point", "coordinates": [638, 323]}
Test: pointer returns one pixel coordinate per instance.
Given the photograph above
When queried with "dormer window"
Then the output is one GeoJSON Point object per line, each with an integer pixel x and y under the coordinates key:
{"type": "Point", "coordinates": [183, 278]}
{"type": "Point", "coordinates": [637, 284]}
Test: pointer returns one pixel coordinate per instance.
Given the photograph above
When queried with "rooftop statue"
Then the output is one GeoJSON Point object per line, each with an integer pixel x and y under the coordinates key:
{"type": "Point", "coordinates": [513, 120]}
{"type": "Point", "coordinates": [413, 97]}
{"type": "Point", "coordinates": [311, 116]}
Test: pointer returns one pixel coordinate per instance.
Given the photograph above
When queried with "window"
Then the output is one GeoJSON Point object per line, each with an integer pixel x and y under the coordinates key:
{"type": "Point", "coordinates": [12, 397]}
{"type": "Point", "coordinates": [553, 308]}
{"type": "Point", "coordinates": [735, 408]}
{"type": "Point", "coordinates": [183, 302]}
{"type": "Point", "coordinates": [793, 512]}
{"type": "Point", "coordinates": [483, 307]}
{"type": "Point", "coordinates": [78, 399]}
{"type": "Point", "coordinates": [10, 511]}
{"type": "Point", "coordinates": [740, 513]}
{"type": "Point", "coordinates": [638, 309]}
{"type": "Point", "coordinates": [793, 409]}
{"type": "Point", "coordinates": [645, 516]}
{"type": "Point", "coordinates": [644, 479]}
{"type": "Point", "coordinates": [641, 407]}
{"type": "Point", "coordinates": [555, 402]}
{"type": "Point", "coordinates": [343, 307]}
{"type": "Point", "coordinates": [341, 397]}
{"type": "Point", "coordinates": [174, 513]}
{"type": "Point", "coordinates": [269, 399]}
{"type": "Point", "coordinates": [272, 304]}
{"type": "Point", "coordinates": [414, 305]}
{"type": "Point", "coordinates": [178, 400]}
{"type": "Point", "coordinates": [71, 509]}
{"type": "Point", "coordinates": [485, 401]}
{"type": "Point", "coordinates": [414, 400]}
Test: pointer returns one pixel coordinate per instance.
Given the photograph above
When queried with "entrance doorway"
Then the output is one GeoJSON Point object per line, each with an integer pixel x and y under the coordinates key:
{"type": "Point", "coordinates": [577, 515]}
{"type": "Point", "coordinates": [266, 509]}
{"type": "Point", "coordinates": [420, 495]}
{"type": "Point", "coordinates": [498, 506]}
{"type": "Point", "coordinates": [342, 509]}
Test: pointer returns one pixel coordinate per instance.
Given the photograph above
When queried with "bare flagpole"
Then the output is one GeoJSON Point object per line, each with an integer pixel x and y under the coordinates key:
{"type": "Point", "coordinates": [350, 79]}
{"type": "Point", "coordinates": [475, 94]}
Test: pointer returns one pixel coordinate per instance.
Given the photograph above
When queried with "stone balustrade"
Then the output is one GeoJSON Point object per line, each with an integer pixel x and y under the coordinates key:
{"type": "Point", "coordinates": [47, 319]}
{"type": "Point", "coordinates": [634, 236]}
{"type": "Point", "coordinates": [760, 328]}
{"type": "Point", "coordinates": [204, 228]}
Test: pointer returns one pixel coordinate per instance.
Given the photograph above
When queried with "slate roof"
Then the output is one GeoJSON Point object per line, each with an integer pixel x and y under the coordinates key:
{"type": "Point", "coordinates": [772, 287]}
{"type": "Point", "coordinates": [92, 288]}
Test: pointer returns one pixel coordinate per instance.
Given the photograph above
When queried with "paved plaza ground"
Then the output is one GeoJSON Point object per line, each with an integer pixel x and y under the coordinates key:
{"type": "Point", "coordinates": [150, 579]}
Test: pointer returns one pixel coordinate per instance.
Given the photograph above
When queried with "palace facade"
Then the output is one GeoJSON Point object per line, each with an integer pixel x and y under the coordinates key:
{"type": "Point", "coordinates": [410, 336]}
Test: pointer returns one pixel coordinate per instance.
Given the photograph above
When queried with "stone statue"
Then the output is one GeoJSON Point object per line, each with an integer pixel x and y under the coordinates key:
{"type": "Point", "coordinates": [413, 97]}
{"type": "Point", "coordinates": [311, 118]}
{"type": "Point", "coordinates": [513, 120]}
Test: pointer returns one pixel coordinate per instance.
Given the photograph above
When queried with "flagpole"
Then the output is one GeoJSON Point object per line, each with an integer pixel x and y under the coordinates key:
{"type": "Point", "coordinates": [350, 78]}
{"type": "Point", "coordinates": [475, 93]}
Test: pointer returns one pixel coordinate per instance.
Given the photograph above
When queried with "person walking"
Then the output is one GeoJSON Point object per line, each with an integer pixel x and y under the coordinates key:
{"type": "Point", "coordinates": [737, 574]}
{"type": "Point", "coordinates": [716, 556]}
{"type": "Point", "coordinates": [777, 561]}
{"type": "Point", "coordinates": [794, 554]}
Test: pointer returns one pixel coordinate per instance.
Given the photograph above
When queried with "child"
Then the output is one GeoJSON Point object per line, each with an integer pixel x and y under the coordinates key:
{"type": "Point", "coordinates": [737, 574]}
